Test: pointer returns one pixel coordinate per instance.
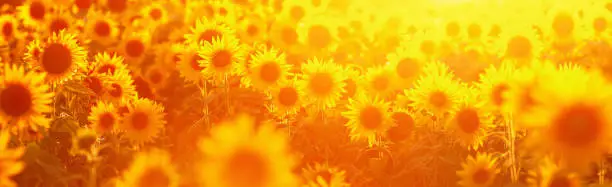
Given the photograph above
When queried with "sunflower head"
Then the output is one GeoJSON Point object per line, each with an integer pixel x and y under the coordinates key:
{"type": "Point", "coordinates": [286, 99]}
{"type": "Point", "coordinates": [150, 168]}
{"type": "Point", "coordinates": [206, 30]}
{"type": "Point", "coordinates": [61, 56]}
{"type": "Point", "coordinates": [222, 58]}
{"type": "Point", "coordinates": [34, 12]}
{"type": "Point", "coordinates": [104, 117]}
{"type": "Point", "coordinates": [101, 29]}
{"type": "Point", "coordinates": [268, 67]}
{"type": "Point", "coordinates": [368, 118]}
{"type": "Point", "coordinates": [471, 121]}
{"type": "Point", "coordinates": [144, 121]}
{"type": "Point", "coordinates": [83, 142]}
{"type": "Point", "coordinates": [437, 92]}
{"type": "Point", "coordinates": [495, 85]}
{"type": "Point", "coordinates": [324, 175]}
{"type": "Point", "coordinates": [550, 174]}
{"type": "Point", "coordinates": [323, 80]}
{"type": "Point", "coordinates": [478, 171]}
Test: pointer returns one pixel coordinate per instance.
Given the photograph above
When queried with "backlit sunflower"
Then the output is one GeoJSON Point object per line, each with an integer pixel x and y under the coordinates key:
{"type": "Point", "coordinates": [83, 142]}
{"type": "Point", "coordinates": [153, 168]}
{"type": "Point", "coordinates": [120, 89]}
{"type": "Point", "coordinates": [222, 58]}
{"type": "Point", "coordinates": [318, 33]}
{"type": "Point", "coordinates": [58, 21]}
{"type": "Point", "coordinates": [286, 99]}
{"type": "Point", "coordinates": [253, 29]}
{"type": "Point", "coordinates": [520, 43]}
{"type": "Point", "coordinates": [144, 121]}
{"type": "Point", "coordinates": [597, 21]}
{"type": "Point", "coordinates": [368, 117]}
{"type": "Point", "coordinates": [494, 85]}
{"type": "Point", "coordinates": [108, 64]}
{"type": "Point", "coordinates": [471, 121]}
{"type": "Point", "coordinates": [406, 68]}
{"type": "Point", "coordinates": [103, 117]}
{"type": "Point", "coordinates": [206, 30]}
{"type": "Point", "coordinates": [8, 28]}
{"type": "Point", "coordinates": [33, 52]}
{"type": "Point", "coordinates": [33, 13]}
{"type": "Point", "coordinates": [268, 67]}
{"type": "Point", "coordinates": [238, 154]}
{"type": "Point", "coordinates": [283, 34]}
{"type": "Point", "coordinates": [134, 46]}
{"type": "Point", "coordinates": [24, 99]}
{"type": "Point", "coordinates": [404, 124]}
{"type": "Point", "coordinates": [100, 28]}
{"type": "Point", "coordinates": [479, 171]}
{"type": "Point", "coordinates": [61, 56]}
{"type": "Point", "coordinates": [189, 65]}
{"type": "Point", "coordinates": [437, 92]}
{"type": "Point", "coordinates": [323, 175]}
{"type": "Point", "coordinates": [323, 81]}
{"type": "Point", "coordinates": [157, 76]}
{"type": "Point", "coordinates": [379, 81]}
{"type": "Point", "coordinates": [549, 174]}
{"type": "Point", "coordinates": [572, 119]}
{"type": "Point", "coordinates": [296, 10]}
{"type": "Point", "coordinates": [9, 160]}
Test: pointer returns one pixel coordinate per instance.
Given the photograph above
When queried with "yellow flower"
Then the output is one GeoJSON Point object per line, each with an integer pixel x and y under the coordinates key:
{"type": "Point", "coordinates": [471, 121]}
{"type": "Point", "coordinates": [238, 154]}
{"type": "Point", "coordinates": [519, 42]}
{"type": "Point", "coordinates": [120, 88]}
{"type": "Point", "coordinates": [8, 28]}
{"type": "Point", "coordinates": [24, 99]}
{"type": "Point", "coordinates": [368, 117]}
{"type": "Point", "coordinates": [103, 117]}
{"type": "Point", "coordinates": [58, 21]}
{"type": "Point", "coordinates": [107, 64]}
{"type": "Point", "coordinates": [100, 28]}
{"type": "Point", "coordinates": [253, 28]}
{"type": "Point", "coordinates": [61, 57]}
{"type": "Point", "coordinates": [190, 63]}
{"type": "Point", "coordinates": [323, 175]}
{"type": "Point", "coordinates": [379, 81]}
{"type": "Point", "coordinates": [283, 34]}
{"type": "Point", "coordinates": [407, 68]}
{"type": "Point", "coordinates": [157, 76]}
{"type": "Point", "coordinates": [134, 45]}
{"type": "Point", "coordinates": [494, 85]}
{"type": "Point", "coordinates": [479, 171]}
{"type": "Point", "coordinates": [437, 92]}
{"type": "Point", "coordinates": [144, 121]}
{"type": "Point", "coordinates": [550, 174]}
{"type": "Point", "coordinates": [323, 82]}
{"type": "Point", "coordinates": [155, 13]}
{"type": "Point", "coordinates": [150, 169]}
{"type": "Point", "coordinates": [207, 30]}
{"type": "Point", "coordinates": [222, 58]}
{"type": "Point", "coordinates": [268, 67]}
{"type": "Point", "coordinates": [34, 12]}
{"type": "Point", "coordinates": [83, 142]}
{"type": "Point", "coordinates": [318, 33]}
{"type": "Point", "coordinates": [9, 161]}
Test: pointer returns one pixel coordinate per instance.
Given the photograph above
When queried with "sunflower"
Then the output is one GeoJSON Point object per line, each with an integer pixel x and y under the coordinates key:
{"type": "Point", "coordinates": [523, 87]}
{"type": "Point", "coordinates": [222, 58]}
{"type": "Point", "coordinates": [406, 68]}
{"type": "Point", "coordinates": [157, 76]}
{"type": "Point", "coordinates": [24, 98]}
{"type": "Point", "coordinates": [156, 13]}
{"type": "Point", "coordinates": [283, 34]}
{"type": "Point", "coordinates": [144, 121]}
{"type": "Point", "coordinates": [596, 21]}
{"type": "Point", "coordinates": [351, 88]}
{"type": "Point", "coordinates": [322, 175]}
{"type": "Point", "coordinates": [268, 67]}
{"type": "Point", "coordinates": [103, 117]}
{"type": "Point", "coordinates": [404, 124]}
{"type": "Point", "coordinates": [379, 81]}
{"type": "Point", "coordinates": [572, 119]}
{"type": "Point", "coordinates": [494, 85]}
{"type": "Point", "coordinates": [296, 10]}
{"type": "Point", "coordinates": [96, 83]}
{"type": "Point", "coordinates": [471, 121]}
{"type": "Point", "coordinates": [318, 33]}
{"type": "Point", "coordinates": [120, 88]}
{"type": "Point", "coordinates": [207, 30]}
{"type": "Point", "coordinates": [368, 118]}
{"type": "Point", "coordinates": [83, 142]}
{"type": "Point", "coordinates": [478, 172]}
{"type": "Point", "coordinates": [117, 7]}
{"type": "Point", "coordinates": [286, 99]}
{"type": "Point", "coordinates": [561, 21]}
{"type": "Point", "coordinates": [437, 92]}
{"type": "Point", "coordinates": [107, 64]}
{"type": "Point", "coordinates": [33, 52]}
{"type": "Point", "coordinates": [238, 154]}
{"type": "Point", "coordinates": [134, 45]}
{"type": "Point", "coordinates": [153, 168]}
{"type": "Point", "coordinates": [9, 161]}
{"type": "Point", "coordinates": [254, 28]}
{"type": "Point", "coordinates": [82, 5]}
{"type": "Point", "coordinates": [59, 20]}
{"type": "Point", "coordinates": [520, 43]}
{"type": "Point", "coordinates": [549, 174]}
{"type": "Point", "coordinates": [34, 12]}
{"type": "Point", "coordinates": [101, 29]}
{"type": "Point", "coordinates": [8, 29]}
{"type": "Point", "coordinates": [423, 45]}
{"type": "Point", "coordinates": [189, 65]}
{"type": "Point", "coordinates": [61, 56]}
{"type": "Point", "coordinates": [323, 81]}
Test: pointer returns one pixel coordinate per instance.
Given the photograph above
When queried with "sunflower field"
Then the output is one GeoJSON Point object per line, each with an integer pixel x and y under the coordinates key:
{"type": "Point", "coordinates": [305, 93]}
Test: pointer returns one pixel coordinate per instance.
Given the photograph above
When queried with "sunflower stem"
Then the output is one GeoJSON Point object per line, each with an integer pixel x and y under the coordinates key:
{"type": "Point", "coordinates": [514, 176]}
{"type": "Point", "coordinates": [602, 171]}
{"type": "Point", "coordinates": [206, 112]}
{"type": "Point", "coordinates": [93, 174]}
{"type": "Point", "coordinates": [227, 95]}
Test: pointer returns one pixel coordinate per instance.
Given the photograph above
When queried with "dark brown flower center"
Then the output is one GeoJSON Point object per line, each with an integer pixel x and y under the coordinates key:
{"type": "Point", "coordinates": [15, 100]}
{"type": "Point", "coordinates": [56, 59]}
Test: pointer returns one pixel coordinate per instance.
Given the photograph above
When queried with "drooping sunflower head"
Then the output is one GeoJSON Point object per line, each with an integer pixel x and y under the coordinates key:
{"type": "Point", "coordinates": [238, 154]}
{"type": "Point", "coordinates": [104, 118]}
{"type": "Point", "coordinates": [61, 56]}
{"type": "Point", "coordinates": [495, 84]}
{"type": "Point", "coordinates": [152, 168]}
{"type": "Point", "coordinates": [144, 121]}
{"type": "Point", "coordinates": [321, 175]}
{"type": "Point", "coordinates": [368, 118]}
{"type": "Point", "coordinates": [24, 99]}
{"type": "Point", "coordinates": [323, 81]}
{"type": "Point", "coordinates": [222, 58]}
{"type": "Point", "coordinates": [479, 171]}
{"type": "Point", "coordinates": [268, 67]}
